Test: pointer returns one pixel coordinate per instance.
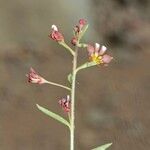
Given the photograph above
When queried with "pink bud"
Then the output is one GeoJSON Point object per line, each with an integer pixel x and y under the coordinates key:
{"type": "Point", "coordinates": [65, 103]}
{"type": "Point", "coordinates": [33, 77]}
{"type": "Point", "coordinates": [78, 28]}
{"type": "Point", "coordinates": [74, 41]}
{"type": "Point", "coordinates": [82, 22]}
{"type": "Point", "coordinates": [56, 35]}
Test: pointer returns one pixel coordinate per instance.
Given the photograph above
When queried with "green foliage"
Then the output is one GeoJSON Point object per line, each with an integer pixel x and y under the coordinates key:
{"type": "Point", "coordinates": [53, 115]}
{"type": "Point", "coordinates": [103, 147]}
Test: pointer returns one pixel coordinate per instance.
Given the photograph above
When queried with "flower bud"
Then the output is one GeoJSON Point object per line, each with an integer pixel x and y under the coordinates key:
{"type": "Point", "coordinates": [78, 28]}
{"type": "Point", "coordinates": [56, 35]}
{"type": "Point", "coordinates": [82, 22]}
{"type": "Point", "coordinates": [33, 77]}
{"type": "Point", "coordinates": [65, 103]}
{"type": "Point", "coordinates": [74, 41]}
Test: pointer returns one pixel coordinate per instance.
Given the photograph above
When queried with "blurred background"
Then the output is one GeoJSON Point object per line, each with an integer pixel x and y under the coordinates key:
{"type": "Point", "coordinates": [112, 103]}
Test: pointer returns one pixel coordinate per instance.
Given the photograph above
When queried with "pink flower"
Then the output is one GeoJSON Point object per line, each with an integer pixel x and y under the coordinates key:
{"type": "Point", "coordinates": [33, 77]}
{"type": "Point", "coordinates": [65, 103]}
{"type": "Point", "coordinates": [97, 54]}
{"type": "Point", "coordinates": [56, 35]}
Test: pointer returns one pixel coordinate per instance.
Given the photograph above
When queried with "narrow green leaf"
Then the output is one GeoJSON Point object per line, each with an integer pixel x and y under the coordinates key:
{"type": "Point", "coordinates": [53, 115]}
{"type": "Point", "coordinates": [70, 78]}
{"type": "Point", "coordinates": [86, 65]}
{"type": "Point", "coordinates": [83, 32]}
{"type": "Point", "coordinates": [103, 147]}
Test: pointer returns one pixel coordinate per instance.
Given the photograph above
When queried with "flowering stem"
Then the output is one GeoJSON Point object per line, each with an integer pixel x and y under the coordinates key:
{"type": "Point", "coordinates": [69, 117]}
{"type": "Point", "coordinates": [59, 85]}
{"type": "Point", "coordinates": [72, 118]}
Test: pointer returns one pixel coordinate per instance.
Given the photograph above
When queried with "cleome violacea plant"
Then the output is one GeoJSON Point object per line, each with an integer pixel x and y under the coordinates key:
{"type": "Point", "coordinates": [96, 54]}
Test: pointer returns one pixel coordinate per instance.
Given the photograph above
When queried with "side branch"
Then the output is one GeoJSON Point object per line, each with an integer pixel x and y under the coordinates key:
{"type": "Point", "coordinates": [67, 47]}
{"type": "Point", "coordinates": [59, 85]}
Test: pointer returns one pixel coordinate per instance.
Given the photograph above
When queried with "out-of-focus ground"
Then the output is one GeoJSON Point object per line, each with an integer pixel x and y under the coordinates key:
{"type": "Point", "coordinates": [112, 103]}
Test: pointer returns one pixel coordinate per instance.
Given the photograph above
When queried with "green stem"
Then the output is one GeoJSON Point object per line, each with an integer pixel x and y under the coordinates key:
{"type": "Point", "coordinates": [67, 47]}
{"type": "Point", "coordinates": [59, 85]}
{"type": "Point", "coordinates": [85, 65]}
{"type": "Point", "coordinates": [72, 118]}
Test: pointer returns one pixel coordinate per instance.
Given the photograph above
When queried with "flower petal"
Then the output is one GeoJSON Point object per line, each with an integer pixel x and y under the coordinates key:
{"type": "Point", "coordinates": [54, 27]}
{"type": "Point", "coordinates": [107, 58]}
{"type": "Point", "coordinates": [102, 50]}
{"type": "Point", "coordinates": [97, 46]}
{"type": "Point", "coordinates": [90, 49]}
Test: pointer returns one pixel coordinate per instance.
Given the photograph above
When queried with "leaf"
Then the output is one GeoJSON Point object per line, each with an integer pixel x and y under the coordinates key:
{"type": "Point", "coordinates": [86, 65]}
{"type": "Point", "coordinates": [103, 147]}
{"type": "Point", "coordinates": [83, 32]}
{"type": "Point", "coordinates": [53, 115]}
{"type": "Point", "coordinates": [70, 78]}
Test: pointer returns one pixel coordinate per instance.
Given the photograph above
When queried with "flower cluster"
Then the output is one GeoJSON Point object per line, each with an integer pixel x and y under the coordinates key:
{"type": "Point", "coordinates": [78, 30]}
{"type": "Point", "coordinates": [97, 54]}
{"type": "Point", "coordinates": [65, 104]}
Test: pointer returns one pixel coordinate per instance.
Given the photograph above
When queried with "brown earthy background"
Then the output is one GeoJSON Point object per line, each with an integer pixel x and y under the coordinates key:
{"type": "Point", "coordinates": [112, 103]}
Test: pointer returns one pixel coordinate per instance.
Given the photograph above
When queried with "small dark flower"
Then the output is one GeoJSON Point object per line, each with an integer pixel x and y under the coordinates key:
{"type": "Point", "coordinates": [56, 35]}
{"type": "Point", "coordinates": [74, 41]}
{"type": "Point", "coordinates": [33, 77]}
{"type": "Point", "coordinates": [65, 103]}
